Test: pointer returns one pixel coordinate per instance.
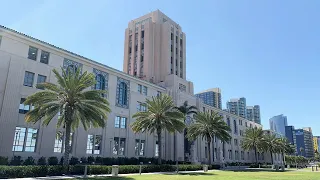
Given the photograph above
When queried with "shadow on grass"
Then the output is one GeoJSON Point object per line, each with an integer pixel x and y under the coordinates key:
{"type": "Point", "coordinates": [256, 170]}
{"type": "Point", "coordinates": [196, 174]}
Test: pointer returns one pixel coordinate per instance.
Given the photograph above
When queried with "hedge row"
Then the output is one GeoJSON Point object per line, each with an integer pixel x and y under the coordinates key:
{"type": "Point", "coordinates": [41, 171]}
{"type": "Point", "coordinates": [17, 161]}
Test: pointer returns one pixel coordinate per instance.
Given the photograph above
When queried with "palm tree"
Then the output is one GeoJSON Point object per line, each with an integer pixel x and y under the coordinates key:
{"type": "Point", "coordinates": [270, 144]}
{"type": "Point", "coordinates": [208, 126]}
{"type": "Point", "coordinates": [187, 111]}
{"type": "Point", "coordinates": [70, 98]}
{"type": "Point", "coordinates": [161, 115]}
{"type": "Point", "coordinates": [285, 147]}
{"type": "Point", "coordinates": [252, 140]}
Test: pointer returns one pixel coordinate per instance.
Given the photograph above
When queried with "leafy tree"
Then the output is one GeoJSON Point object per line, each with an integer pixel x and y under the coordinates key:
{"type": "Point", "coordinates": [253, 140]}
{"type": "Point", "coordinates": [207, 126]}
{"type": "Point", "coordinates": [71, 98]}
{"type": "Point", "coordinates": [284, 147]}
{"type": "Point", "coordinates": [161, 115]}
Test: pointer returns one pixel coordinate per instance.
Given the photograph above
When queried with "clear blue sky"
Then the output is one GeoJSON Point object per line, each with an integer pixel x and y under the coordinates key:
{"type": "Point", "coordinates": [265, 50]}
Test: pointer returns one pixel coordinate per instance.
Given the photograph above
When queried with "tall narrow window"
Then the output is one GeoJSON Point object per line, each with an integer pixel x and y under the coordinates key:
{"type": "Point", "coordinates": [94, 144]}
{"type": "Point", "coordinates": [139, 88]}
{"type": "Point", "coordinates": [41, 79]}
{"type": "Point", "coordinates": [100, 85]}
{"type": "Point", "coordinates": [19, 138]}
{"type": "Point", "coordinates": [122, 99]}
{"type": "Point", "coordinates": [89, 144]}
{"type": "Point", "coordinates": [122, 146]}
{"type": "Point", "coordinates": [115, 145]}
{"type": "Point", "coordinates": [235, 126]}
{"type": "Point", "coordinates": [117, 122]}
{"type": "Point", "coordinates": [145, 90]}
{"type": "Point", "coordinates": [136, 147]}
{"type": "Point", "coordinates": [44, 57]}
{"type": "Point", "coordinates": [33, 52]}
{"type": "Point", "coordinates": [156, 153]}
{"type": "Point", "coordinates": [142, 144]}
{"type": "Point", "coordinates": [28, 79]}
{"type": "Point", "coordinates": [58, 143]}
{"type": "Point", "coordinates": [123, 123]}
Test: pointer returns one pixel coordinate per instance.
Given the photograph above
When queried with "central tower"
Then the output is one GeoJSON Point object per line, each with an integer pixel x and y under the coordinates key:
{"type": "Point", "coordinates": [155, 47]}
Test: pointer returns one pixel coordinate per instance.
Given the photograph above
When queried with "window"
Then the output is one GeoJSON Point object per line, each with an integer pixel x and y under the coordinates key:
{"type": "Point", "coordinates": [142, 34]}
{"type": "Point", "coordinates": [139, 147]}
{"type": "Point", "coordinates": [33, 52]}
{"type": "Point", "coordinates": [141, 107]}
{"type": "Point", "coordinates": [100, 85]}
{"type": "Point", "coordinates": [230, 154]}
{"type": "Point", "coordinates": [123, 123]}
{"type": "Point", "coordinates": [241, 133]}
{"type": "Point", "coordinates": [236, 142]}
{"type": "Point", "coordinates": [94, 144]}
{"type": "Point", "coordinates": [248, 155]}
{"type": "Point", "coordinates": [24, 108]}
{"type": "Point", "coordinates": [228, 122]}
{"type": "Point", "coordinates": [182, 88]}
{"type": "Point", "coordinates": [59, 142]}
{"type": "Point", "coordinates": [28, 79]}
{"type": "Point", "coordinates": [44, 58]}
{"type": "Point", "coordinates": [145, 90]}
{"type": "Point", "coordinates": [246, 124]}
{"type": "Point", "coordinates": [158, 93]}
{"type": "Point", "coordinates": [120, 122]}
{"type": "Point", "coordinates": [204, 109]}
{"type": "Point", "coordinates": [140, 88]}
{"type": "Point", "coordinates": [71, 69]}
{"type": "Point", "coordinates": [235, 127]}
{"type": "Point", "coordinates": [119, 146]}
{"type": "Point", "coordinates": [122, 99]}
{"type": "Point", "coordinates": [206, 152]}
{"type": "Point", "coordinates": [156, 151]}
{"type": "Point", "coordinates": [41, 79]}
{"type": "Point", "coordinates": [25, 139]}
{"type": "Point", "coordinates": [236, 153]}
{"type": "Point", "coordinates": [242, 155]}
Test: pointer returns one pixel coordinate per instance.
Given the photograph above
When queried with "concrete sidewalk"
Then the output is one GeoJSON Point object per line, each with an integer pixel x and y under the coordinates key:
{"type": "Point", "coordinates": [106, 175]}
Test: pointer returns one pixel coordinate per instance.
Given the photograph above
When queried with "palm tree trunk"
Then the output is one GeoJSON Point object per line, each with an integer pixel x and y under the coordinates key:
{"type": "Point", "coordinates": [67, 145]}
{"type": "Point", "coordinates": [271, 157]}
{"type": "Point", "coordinates": [209, 150]}
{"type": "Point", "coordinates": [255, 154]}
{"type": "Point", "coordinates": [283, 159]}
{"type": "Point", "coordinates": [159, 146]}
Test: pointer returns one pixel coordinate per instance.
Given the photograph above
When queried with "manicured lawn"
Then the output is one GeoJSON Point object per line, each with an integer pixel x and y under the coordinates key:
{"type": "Point", "coordinates": [228, 175]}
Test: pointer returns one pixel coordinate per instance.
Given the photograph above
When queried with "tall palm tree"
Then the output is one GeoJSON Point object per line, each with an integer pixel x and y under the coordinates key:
{"type": "Point", "coordinates": [161, 115]}
{"type": "Point", "coordinates": [75, 103]}
{"type": "Point", "coordinates": [270, 144]}
{"type": "Point", "coordinates": [187, 111]}
{"type": "Point", "coordinates": [253, 140]}
{"type": "Point", "coordinates": [208, 126]}
{"type": "Point", "coordinates": [285, 147]}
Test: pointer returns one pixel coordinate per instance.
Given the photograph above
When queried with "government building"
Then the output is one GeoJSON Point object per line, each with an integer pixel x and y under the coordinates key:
{"type": "Point", "coordinates": [154, 63]}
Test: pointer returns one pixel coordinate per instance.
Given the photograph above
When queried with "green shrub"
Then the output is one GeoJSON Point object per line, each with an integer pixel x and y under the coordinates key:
{"type": "Point", "coordinates": [29, 161]}
{"type": "Point", "coordinates": [99, 160]}
{"type": "Point", "coordinates": [4, 160]}
{"type": "Point", "coordinates": [16, 161]}
{"type": "Point", "coordinates": [99, 169]}
{"type": "Point", "coordinates": [84, 160]}
{"type": "Point", "coordinates": [56, 170]}
{"type": "Point", "coordinates": [53, 160]}
{"type": "Point", "coordinates": [91, 160]}
{"type": "Point", "coordinates": [74, 161]}
{"type": "Point", "coordinates": [42, 161]}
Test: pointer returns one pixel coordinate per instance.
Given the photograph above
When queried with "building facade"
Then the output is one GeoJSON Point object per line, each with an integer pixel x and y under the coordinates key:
{"type": "Point", "coordinates": [211, 97]}
{"type": "Point", "coordinates": [237, 107]}
{"type": "Point", "coordinates": [278, 124]}
{"type": "Point", "coordinates": [26, 61]}
{"type": "Point", "coordinates": [302, 140]}
{"type": "Point", "coordinates": [253, 113]}
{"type": "Point", "coordinates": [154, 47]}
{"type": "Point", "coordinates": [316, 144]}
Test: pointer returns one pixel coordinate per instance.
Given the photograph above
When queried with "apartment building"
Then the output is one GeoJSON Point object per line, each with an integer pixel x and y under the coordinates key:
{"type": "Point", "coordinates": [238, 106]}
{"type": "Point", "coordinates": [278, 124]}
{"type": "Point", "coordinates": [211, 97]}
{"type": "Point", "coordinates": [253, 113]}
{"type": "Point", "coordinates": [26, 61]}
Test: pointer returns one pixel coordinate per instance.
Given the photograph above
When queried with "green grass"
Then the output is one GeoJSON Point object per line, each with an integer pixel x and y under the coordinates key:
{"type": "Point", "coordinates": [227, 175]}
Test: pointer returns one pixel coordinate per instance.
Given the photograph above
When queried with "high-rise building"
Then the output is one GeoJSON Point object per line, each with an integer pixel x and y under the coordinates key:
{"type": "Point", "coordinates": [278, 124]}
{"type": "Point", "coordinates": [211, 97]}
{"type": "Point", "coordinates": [316, 143]}
{"type": "Point", "coordinates": [154, 47]}
{"type": "Point", "coordinates": [302, 139]}
{"type": "Point", "coordinates": [253, 113]}
{"type": "Point", "coordinates": [237, 106]}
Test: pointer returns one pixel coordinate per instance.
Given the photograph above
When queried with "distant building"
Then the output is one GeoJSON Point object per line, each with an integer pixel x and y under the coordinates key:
{"type": "Point", "coordinates": [237, 106]}
{"type": "Point", "coordinates": [302, 140]}
{"type": "Point", "coordinates": [211, 97]}
{"type": "Point", "coordinates": [316, 143]}
{"type": "Point", "coordinates": [278, 124]}
{"type": "Point", "coordinates": [253, 113]}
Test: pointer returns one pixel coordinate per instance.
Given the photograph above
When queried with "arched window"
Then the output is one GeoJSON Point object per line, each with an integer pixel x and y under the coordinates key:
{"type": "Point", "coordinates": [122, 93]}
{"type": "Point", "coordinates": [100, 85]}
{"type": "Point", "coordinates": [235, 126]}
